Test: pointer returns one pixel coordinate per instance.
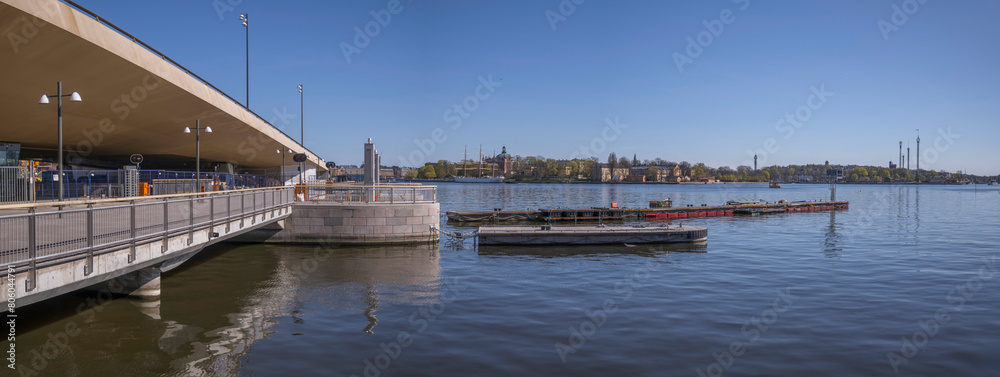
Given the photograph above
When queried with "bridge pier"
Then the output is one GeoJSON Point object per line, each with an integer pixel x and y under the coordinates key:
{"type": "Point", "coordinates": [142, 285]}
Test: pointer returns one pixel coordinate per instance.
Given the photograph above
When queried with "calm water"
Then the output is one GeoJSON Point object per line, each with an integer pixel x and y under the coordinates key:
{"type": "Point", "coordinates": [905, 278]}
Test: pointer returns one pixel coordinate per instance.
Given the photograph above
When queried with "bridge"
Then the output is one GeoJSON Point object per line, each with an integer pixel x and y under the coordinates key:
{"type": "Point", "coordinates": [127, 242]}
{"type": "Point", "coordinates": [138, 100]}
{"type": "Point", "coordinates": [135, 98]}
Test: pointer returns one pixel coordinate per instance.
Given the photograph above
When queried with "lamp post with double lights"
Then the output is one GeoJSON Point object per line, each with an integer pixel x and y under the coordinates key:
{"type": "Point", "coordinates": [197, 153]}
{"type": "Point", "coordinates": [73, 97]}
{"type": "Point", "coordinates": [282, 171]}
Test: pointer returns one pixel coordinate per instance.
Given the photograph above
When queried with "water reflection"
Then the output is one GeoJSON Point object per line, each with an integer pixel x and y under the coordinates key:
{"type": "Point", "coordinates": [833, 242]}
{"type": "Point", "coordinates": [216, 309]}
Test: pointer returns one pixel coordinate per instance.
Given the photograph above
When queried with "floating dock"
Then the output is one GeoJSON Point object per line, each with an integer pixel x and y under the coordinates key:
{"type": "Point", "coordinates": [590, 235]}
{"type": "Point", "coordinates": [598, 214]}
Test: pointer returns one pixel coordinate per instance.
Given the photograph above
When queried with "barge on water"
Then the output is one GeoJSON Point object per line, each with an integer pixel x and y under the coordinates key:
{"type": "Point", "coordinates": [590, 235]}
{"type": "Point", "coordinates": [599, 214]}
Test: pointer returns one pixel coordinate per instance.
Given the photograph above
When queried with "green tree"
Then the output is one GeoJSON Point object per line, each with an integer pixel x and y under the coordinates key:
{"type": "Point", "coordinates": [884, 174]}
{"type": "Point", "coordinates": [574, 168]}
{"type": "Point", "coordinates": [427, 171]}
{"type": "Point", "coordinates": [652, 173]}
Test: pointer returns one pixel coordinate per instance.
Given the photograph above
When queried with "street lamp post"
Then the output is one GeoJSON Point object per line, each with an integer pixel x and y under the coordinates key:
{"type": "Point", "coordinates": [73, 97]}
{"type": "Point", "coordinates": [282, 170]}
{"type": "Point", "coordinates": [302, 127]}
{"type": "Point", "coordinates": [197, 153]}
{"type": "Point", "coordinates": [245, 17]}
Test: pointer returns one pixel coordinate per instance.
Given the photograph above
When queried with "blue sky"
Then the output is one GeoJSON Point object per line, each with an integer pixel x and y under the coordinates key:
{"type": "Point", "coordinates": [931, 66]}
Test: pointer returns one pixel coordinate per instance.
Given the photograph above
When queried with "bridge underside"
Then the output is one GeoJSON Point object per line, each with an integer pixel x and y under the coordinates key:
{"type": "Point", "coordinates": [59, 253]}
{"type": "Point", "coordinates": [134, 100]}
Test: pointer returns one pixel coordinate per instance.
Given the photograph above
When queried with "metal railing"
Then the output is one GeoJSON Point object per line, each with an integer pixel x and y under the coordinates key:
{"type": "Point", "coordinates": [47, 235]}
{"type": "Point", "coordinates": [17, 184]}
{"type": "Point", "coordinates": [370, 194]}
{"type": "Point", "coordinates": [176, 64]}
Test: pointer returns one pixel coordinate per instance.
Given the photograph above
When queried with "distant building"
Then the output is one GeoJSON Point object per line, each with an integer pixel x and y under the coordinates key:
{"type": "Point", "coordinates": [805, 178]}
{"type": "Point", "coordinates": [503, 161]}
{"type": "Point", "coordinates": [707, 179]}
{"type": "Point", "coordinates": [603, 173]}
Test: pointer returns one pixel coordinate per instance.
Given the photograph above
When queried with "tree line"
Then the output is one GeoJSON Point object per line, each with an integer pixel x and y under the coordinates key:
{"type": "Point", "coordinates": [540, 167]}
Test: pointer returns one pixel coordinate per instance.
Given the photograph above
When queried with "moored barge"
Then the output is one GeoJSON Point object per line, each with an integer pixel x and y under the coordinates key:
{"type": "Point", "coordinates": [590, 235]}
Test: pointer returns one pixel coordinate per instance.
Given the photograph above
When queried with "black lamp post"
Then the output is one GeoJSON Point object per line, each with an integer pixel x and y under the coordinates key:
{"type": "Point", "coordinates": [197, 153]}
{"type": "Point", "coordinates": [73, 97]}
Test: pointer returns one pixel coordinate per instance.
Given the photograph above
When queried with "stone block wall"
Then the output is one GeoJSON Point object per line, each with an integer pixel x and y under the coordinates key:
{"type": "Point", "coordinates": [350, 223]}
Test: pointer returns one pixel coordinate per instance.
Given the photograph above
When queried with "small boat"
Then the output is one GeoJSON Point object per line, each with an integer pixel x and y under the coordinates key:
{"type": "Point", "coordinates": [992, 183]}
{"type": "Point", "coordinates": [774, 185]}
{"type": "Point", "coordinates": [590, 235]}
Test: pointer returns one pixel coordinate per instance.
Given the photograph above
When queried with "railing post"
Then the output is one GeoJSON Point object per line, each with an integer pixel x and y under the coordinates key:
{"type": "Point", "coordinates": [29, 283]}
{"type": "Point", "coordinates": [166, 225]}
{"type": "Point", "coordinates": [392, 198]}
{"type": "Point", "coordinates": [253, 218]}
{"type": "Point", "coordinates": [211, 215]}
{"type": "Point", "coordinates": [273, 201]}
{"type": "Point", "coordinates": [131, 250]}
{"type": "Point", "coordinates": [229, 211]}
{"type": "Point", "coordinates": [191, 220]}
{"type": "Point", "coordinates": [88, 268]}
{"type": "Point", "coordinates": [414, 194]}
{"type": "Point", "coordinates": [243, 207]}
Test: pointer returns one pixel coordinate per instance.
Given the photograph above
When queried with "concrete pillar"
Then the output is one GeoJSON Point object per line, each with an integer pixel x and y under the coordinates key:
{"type": "Point", "coordinates": [371, 163]}
{"type": "Point", "coordinates": [142, 285]}
{"type": "Point", "coordinates": [147, 283]}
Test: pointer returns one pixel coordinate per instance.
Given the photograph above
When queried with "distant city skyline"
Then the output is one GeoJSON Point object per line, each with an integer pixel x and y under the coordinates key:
{"type": "Point", "coordinates": [713, 82]}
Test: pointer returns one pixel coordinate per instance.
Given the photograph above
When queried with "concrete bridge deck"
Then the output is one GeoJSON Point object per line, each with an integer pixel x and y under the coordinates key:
{"type": "Point", "coordinates": [53, 251]}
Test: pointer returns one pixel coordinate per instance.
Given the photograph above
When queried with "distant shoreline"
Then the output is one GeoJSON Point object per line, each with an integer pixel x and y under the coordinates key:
{"type": "Point", "coordinates": [687, 183]}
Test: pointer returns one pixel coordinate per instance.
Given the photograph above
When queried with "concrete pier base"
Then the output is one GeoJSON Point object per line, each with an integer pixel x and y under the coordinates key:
{"type": "Point", "coordinates": [143, 285]}
{"type": "Point", "coordinates": [354, 224]}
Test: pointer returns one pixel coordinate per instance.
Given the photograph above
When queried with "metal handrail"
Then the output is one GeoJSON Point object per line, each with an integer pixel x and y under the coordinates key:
{"type": "Point", "coordinates": [370, 194]}
{"type": "Point", "coordinates": [44, 245]}
{"type": "Point", "coordinates": [178, 65]}
{"type": "Point", "coordinates": [132, 198]}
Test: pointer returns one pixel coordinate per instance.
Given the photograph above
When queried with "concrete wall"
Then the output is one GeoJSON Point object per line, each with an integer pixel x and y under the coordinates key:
{"type": "Point", "coordinates": [356, 223]}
